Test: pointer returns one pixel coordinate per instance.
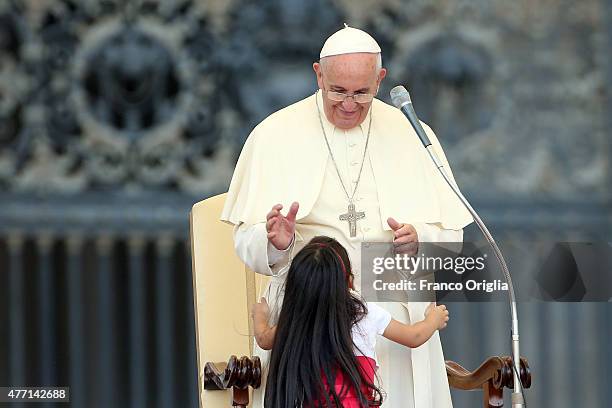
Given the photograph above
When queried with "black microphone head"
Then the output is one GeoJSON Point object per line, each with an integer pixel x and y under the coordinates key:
{"type": "Point", "coordinates": [399, 96]}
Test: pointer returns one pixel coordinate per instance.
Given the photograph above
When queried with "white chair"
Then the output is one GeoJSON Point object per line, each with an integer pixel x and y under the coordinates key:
{"type": "Point", "coordinates": [223, 292]}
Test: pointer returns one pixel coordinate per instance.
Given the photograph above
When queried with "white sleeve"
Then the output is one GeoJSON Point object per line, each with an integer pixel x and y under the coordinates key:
{"type": "Point", "coordinates": [435, 233]}
{"type": "Point", "coordinates": [252, 247]}
{"type": "Point", "coordinates": [378, 317]}
{"type": "Point", "coordinates": [276, 255]}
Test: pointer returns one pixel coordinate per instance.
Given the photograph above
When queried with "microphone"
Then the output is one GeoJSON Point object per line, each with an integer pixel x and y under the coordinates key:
{"type": "Point", "coordinates": [401, 99]}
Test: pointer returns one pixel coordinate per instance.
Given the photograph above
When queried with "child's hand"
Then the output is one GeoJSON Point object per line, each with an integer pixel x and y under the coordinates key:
{"type": "Point", "coordinates": [260, 310]}
{"type": "Point", "coordinates": [264, 334]}
{"type": "Point", "coordinates": [438, 315]}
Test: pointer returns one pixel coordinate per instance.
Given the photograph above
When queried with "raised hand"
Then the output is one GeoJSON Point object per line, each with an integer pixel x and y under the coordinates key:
{"type": "Point", "coordinates": [406, 239]}
{"type": "Point", "coordinates": [281, 228]}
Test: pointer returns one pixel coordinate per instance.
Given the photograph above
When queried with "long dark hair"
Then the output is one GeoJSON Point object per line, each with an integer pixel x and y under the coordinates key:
{"type": "Point", "coordinates": [313, 335]}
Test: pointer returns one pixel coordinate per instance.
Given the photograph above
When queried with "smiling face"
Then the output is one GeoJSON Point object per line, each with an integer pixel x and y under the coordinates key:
{"type": "Point", "coordinates": [350, 74]}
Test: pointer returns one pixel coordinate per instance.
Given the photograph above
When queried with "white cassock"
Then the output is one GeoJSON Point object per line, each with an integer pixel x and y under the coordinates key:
{"type": "Point", "coordinates": [285, 159]}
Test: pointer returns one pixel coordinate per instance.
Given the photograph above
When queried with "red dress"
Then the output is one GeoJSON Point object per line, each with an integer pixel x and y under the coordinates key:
{"type": "Point", "coordinates": [350, 399]}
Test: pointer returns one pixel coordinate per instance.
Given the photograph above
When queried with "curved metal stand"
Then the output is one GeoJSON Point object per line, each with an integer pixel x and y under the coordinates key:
{"type": "Point", "coordinates": [517, 395]}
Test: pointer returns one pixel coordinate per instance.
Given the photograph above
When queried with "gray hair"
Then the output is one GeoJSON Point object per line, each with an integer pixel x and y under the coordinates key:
{"type": "Point", "coordinates": [378, 61]}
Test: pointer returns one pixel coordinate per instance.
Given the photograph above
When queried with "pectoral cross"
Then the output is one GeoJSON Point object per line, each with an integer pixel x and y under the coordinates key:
{"type": "Point", "coordinates": [352, 216]}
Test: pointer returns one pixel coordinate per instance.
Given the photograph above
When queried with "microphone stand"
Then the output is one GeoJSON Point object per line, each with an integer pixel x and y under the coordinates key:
{"type": "Point", "coordinates": [517, 395]}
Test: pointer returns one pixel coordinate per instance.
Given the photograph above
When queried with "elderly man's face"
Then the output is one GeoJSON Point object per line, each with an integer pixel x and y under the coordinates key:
{"type": "Point", "coordinates": [349, 74]}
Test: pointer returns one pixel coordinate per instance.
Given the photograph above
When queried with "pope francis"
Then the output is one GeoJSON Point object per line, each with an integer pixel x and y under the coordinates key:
{"type": "Point", "coordinates": [344, 164]}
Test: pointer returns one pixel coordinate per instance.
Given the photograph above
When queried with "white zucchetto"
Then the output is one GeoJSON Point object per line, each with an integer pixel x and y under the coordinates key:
{"type": "Point", "coordinates": [349, 40]}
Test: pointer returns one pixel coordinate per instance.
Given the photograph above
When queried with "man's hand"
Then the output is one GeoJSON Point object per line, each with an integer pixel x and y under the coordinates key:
{"type": "Point", "coordinates": [406, 239]}
{"type": "Point", "coordinates": [281, 228]}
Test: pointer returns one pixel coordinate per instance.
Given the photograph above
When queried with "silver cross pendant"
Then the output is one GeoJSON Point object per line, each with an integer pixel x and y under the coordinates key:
{"type": "Point", "coordinates": [352, 216]}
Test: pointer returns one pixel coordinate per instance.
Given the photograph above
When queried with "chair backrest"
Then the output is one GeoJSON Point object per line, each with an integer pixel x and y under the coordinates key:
{"type": "Point", "coordinates": [223, 291]}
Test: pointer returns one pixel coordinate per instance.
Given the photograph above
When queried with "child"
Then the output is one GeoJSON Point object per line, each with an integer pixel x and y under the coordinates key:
{"type": "Point", "coordinates": [326, 335]}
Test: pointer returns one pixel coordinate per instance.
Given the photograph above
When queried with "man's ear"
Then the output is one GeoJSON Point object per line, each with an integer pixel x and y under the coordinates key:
{"type": "Point", "coordinates": [382, 74]}
{"type": "Point", "coordinates": [318, 72]}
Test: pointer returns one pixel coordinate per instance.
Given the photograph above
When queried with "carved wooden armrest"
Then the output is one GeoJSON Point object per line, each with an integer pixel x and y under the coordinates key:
{"type": "Point", "coordinates": [237, 374]}
{"type": "Point", "coordinates": [492, 376]}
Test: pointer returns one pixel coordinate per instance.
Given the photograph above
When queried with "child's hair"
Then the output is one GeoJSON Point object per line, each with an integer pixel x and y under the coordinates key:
{"type": "Point", "coordinates": [313, 335]}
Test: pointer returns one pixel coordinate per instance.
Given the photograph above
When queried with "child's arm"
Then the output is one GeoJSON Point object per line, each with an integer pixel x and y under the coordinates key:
{"type": "Point", "coordinates": [413, 335]}
{"type": "Point", "coordinates": [264, 334]}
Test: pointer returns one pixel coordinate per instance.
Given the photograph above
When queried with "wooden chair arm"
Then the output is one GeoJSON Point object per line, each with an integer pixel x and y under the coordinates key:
{"type": "Point", "coordinates": [492, 376]}
{"type": "Point", "coordinates": [237, 374]}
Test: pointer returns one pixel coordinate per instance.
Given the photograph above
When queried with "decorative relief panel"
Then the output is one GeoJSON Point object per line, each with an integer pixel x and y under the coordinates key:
{"type": "Point", "coordinates": [515, 90]}
{"type": "Point", "coordinates": [100, 95]}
